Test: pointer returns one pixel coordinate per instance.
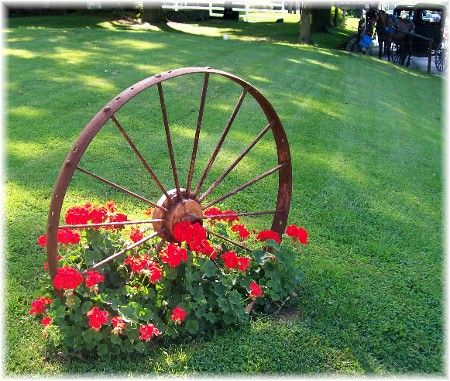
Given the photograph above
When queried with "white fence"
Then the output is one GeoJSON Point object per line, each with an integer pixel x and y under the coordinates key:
{"type": "Point", "coordinates": [240, 6]}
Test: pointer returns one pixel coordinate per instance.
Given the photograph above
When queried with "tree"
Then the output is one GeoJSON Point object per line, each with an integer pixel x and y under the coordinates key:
{"type": "Point", "coordinates": [305, 24]}
{"type": "Point", "coordinates": [320, 19]}
{"type": "Point", "coordinates": [153, 12]}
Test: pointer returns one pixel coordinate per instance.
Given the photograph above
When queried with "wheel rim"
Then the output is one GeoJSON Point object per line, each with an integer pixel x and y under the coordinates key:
{"type": "Point", "coordinates": [179, 203]}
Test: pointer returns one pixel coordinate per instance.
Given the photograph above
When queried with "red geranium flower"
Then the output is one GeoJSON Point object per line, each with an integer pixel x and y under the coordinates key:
{"type": "Point", "coordinates": [184, 231]}
{"type": "Point", "coordinates": [255, 290]}
{"type": "Point", "coordinates": [155, 272]}
{"type": "Point", "coordinates": [97, 318]}
{"type": "Point", "coordinates": [231, 216]}
{"type": "Point", "coordinates": [38, 306]}
{"type": "Point", "coordinates": [226, 215]}
{"type": "Point", "coordinates": [178, 315]}
{"type": "Point", "coordinates": [111, 206]}
{"type": "Point", "coordinates": [119, 217]}
{"type": "Point", "coordinates": [291, 231]}
{"type": "Point", "coordinates": [98, 215]}
{"type": "Point", "coordinates": [46, 320]}
{"type": "Point", "coordinates": [243, 263]}
{"type": "Point", "coordinates": [67, 236]}
{"type": "Point", "coordinates": [42, 240]}
{"type": "Point", "coordinates": [137, 264]}
{"type": "Point", "coordinates": [146, 332]}
{"type": "Point", "coordinates": [213, 211]}
{"type": "Point", "coordinates": [67, 278]}
{"type": "Point", "coordinates": [77, 215]}
{"type": "Point", "coordinates": [136, 235]}
{"type": "Point", "coordinates": [230, 259]}
{"type": "Point", "coordinates": [242, 230]}
{"type": "Point", "coordinates": [173, 255]}
{"type": "Point", "coordinates": [298, 232]}
{"type": "Point", "coordinates": [268, 234]}
{"type": "Point", "coordinates": [118, 325]}
{"type": "Point", "coordinates": [93, 278]}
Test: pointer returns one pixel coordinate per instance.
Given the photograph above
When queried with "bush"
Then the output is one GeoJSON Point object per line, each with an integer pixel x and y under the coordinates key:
{"type": "Point", "coordinates": [196, 284]}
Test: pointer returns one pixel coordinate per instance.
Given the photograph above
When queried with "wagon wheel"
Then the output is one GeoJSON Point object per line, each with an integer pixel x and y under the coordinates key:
{"type": "Point", "coordinates": [441, 58]}
{"type": "Point", "coordinates": [179, 203]}
{"type": "Point", "coordinates": [396, 55]}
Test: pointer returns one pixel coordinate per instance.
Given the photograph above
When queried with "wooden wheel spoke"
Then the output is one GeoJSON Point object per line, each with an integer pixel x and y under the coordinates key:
{"type": "Point", "coordinates": [169, 139]}
{"type": "Point", "coordinates": [197, 133]}
{"type": "Point", "coordinates": [220, 142]}
{"type": "Point", "coordinates": [120, 188]}
{"type": "Point", "coordinates": [139, 156]}
{"type": "Point", "coordinates": [236, 162]}
{"type": "Point", "coordinates": [238, 214]}
{"type": "Point", "coordinates": [103, 224]}
{"type": "Point", "coordinates": [247, 184]}
{"type": "Point", "coordinates": [228, 240]}
{"type": "Point", "coordinates": [124, 250]}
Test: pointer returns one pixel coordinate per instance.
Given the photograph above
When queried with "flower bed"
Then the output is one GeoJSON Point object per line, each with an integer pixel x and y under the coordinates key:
{"type": "Point", "coordinates": [177, 289]}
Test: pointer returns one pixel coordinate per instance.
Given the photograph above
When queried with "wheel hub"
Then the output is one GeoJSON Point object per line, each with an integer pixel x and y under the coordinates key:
{"type": "Point", "coordinates": [184, 209]}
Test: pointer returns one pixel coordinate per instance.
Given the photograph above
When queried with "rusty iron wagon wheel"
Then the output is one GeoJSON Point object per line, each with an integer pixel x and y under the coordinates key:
{"type": "Point", "coordinates": [179, 203]}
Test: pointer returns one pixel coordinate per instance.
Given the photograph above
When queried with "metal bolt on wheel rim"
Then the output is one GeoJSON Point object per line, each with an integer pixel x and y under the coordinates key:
{"type": "Point", "coordinates": [183, 202]}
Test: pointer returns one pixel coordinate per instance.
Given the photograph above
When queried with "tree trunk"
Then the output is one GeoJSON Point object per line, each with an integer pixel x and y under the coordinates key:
{"type": "Point", "coordinates": [343, 18]}
{"type": "Point", "coordinates": [305, 25]}
{"type": "Point", "coordinates": [153, 12]}
{"type": "Point", "coordinates": [336, 15]}
{"type": "Point", "coordinates": [320, 19]}
{"type": "Point", "coordinates": [228, 10]}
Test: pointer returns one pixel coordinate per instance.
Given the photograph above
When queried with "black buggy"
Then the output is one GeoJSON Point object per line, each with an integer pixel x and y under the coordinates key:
{"type": "Point", "coordinates": [427, 38]}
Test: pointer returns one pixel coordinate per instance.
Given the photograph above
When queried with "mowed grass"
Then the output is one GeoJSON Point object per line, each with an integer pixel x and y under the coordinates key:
{"type": "Point", "coordinates": [366, 145]}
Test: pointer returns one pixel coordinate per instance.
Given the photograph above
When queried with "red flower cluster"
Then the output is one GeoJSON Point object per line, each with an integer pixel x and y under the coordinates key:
{"type": "Point", "coordinates": [255, 290]}
{"type": "Point", "coordinates": [173, 255]}
{"type": "Point", "coordinates": [136, 235]}
{"type": "Point", "coordinates": [119, 217]}
{"type": "Point", "coordinates": [64, 236]}
{"type": "Point", "coordinates": [118, 325]}
{"type": "Point", "coordinates": [228, 215]}
{"type": "Point", "coordinates": [178, 315]}
{"type": "Point", "coordinates": [42, 240]}
{"type": "Point", "coordinates": [155, 272]}
{"type": "Point", "coordinates": [67, 278]}
{"type": "Point", "coordinates": [298, 232]}
{"type": "Point", "coordinates": [93, 278]}
{"type": "Point", "coordinates": [232, 261]}
{"type": "Point", "coordinates": [195, 236]}
{"type": "Point", "coordinates": [137, 264]}
{"type": "Point", "coordinates": [46, 320]}
{"type": "Point", "coordinates": [144, 265]}
{"type": "Point", "coordinates": [242, 230]}
{"type": "Point", "coordinates": [146, 332]}
{"type": "Point", "coordinates": [88, 213]}
{"type": "Point", "coordinates": [97, 318]}
{"type": "Point", "coordinates": [38, 306]}
{"type": "Point", "coordinates": [268, 234]}
{"type": "Point", "coordinates": [111, 206]}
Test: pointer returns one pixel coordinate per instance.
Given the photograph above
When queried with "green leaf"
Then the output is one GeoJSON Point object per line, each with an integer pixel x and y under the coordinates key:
{"type": "Point", "coordinates": [210, 268]}
{"type": "Point", "coordinates": [139, 347]}
{"type": "Point", "coordinates": [259, 255]}
{"type": "Point", "coordinates": [192, 326]}
{"type": "Point", "coordinates": [86, 306]}
{"type": "Point", "coordinates": [102, 350]}
{"type": "Point", "coordinates": [116, 340]}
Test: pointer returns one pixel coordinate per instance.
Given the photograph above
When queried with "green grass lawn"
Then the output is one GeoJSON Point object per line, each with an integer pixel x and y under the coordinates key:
{"type": "Point", "coordinates": [366, 144]}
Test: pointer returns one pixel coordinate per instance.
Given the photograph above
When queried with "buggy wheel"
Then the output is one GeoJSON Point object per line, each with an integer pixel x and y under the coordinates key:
{"type": "Point", "coordinates": [396, 55]}
{"type": "Point", "coordinates": [441, 58]}
{"type": "Point", "coordinates": [184, 202]}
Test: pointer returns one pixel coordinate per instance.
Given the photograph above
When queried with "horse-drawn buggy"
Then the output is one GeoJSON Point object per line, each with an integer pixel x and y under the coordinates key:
{"type": "Point", "coordinates": [413, 30]}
